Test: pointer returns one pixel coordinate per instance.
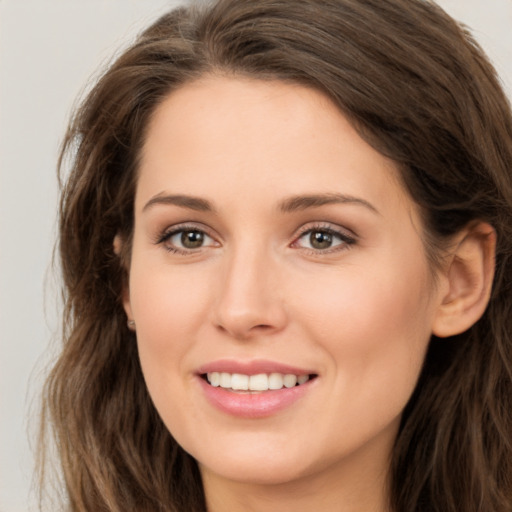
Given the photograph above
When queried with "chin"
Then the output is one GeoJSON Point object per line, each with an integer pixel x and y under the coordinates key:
{"type": "Point", "coordinates": [282, 463]}
{"type": "Point", "coordinates": [271, 472]}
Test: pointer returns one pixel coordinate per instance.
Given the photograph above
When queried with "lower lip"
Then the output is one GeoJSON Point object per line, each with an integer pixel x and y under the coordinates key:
{"type": "Point", "coordinates": [253, 405]}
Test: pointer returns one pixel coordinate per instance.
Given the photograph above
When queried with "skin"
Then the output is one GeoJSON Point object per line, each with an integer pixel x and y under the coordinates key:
{"type": "Point", "coordinates": [358, 314]}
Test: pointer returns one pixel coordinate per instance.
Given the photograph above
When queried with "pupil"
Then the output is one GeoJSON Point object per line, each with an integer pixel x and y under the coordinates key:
{"type": "Point", "coordinates": [320, 240]}
{"type": "Point", "coordinates": [192, 239]}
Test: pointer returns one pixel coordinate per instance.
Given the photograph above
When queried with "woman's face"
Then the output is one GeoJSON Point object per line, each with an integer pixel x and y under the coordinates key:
{"type": "Point", "coordinates": [271, 240]}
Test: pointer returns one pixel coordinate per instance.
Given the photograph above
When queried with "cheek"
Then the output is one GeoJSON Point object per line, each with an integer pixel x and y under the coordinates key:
{"type": "Point", "coordinates": [169, 306]}
{"type": "Point", "coordinates": [166, 299]}
{"type": "Point", "coordinates": [372, 302]}
{"type": "Point", "coordinates": [375, 325]}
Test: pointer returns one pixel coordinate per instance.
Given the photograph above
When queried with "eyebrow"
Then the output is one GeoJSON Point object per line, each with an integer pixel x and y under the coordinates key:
{"type": "Point", "coordinates": [190, 202]}
{"type": "Point", "coordinates": [292, 204]}
{"type": "Point", "coordinates": [299, 203]}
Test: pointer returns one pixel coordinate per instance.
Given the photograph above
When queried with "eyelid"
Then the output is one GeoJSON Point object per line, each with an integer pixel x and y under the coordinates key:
{"type": "Point", "coordinates": [163, 236]}
{"type": "Point", "coordinates": [348, 237]}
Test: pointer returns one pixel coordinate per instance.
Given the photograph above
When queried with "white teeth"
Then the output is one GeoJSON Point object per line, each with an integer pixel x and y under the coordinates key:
{"type": "Point", "coordinates": [301, 379]}
{"type": "Point", "coordinates": [239, 381]}
{"type": "Point", "coordinates": [214, 379]}
{"type": "Point", "coordinates": [290, 380]}
{"type": "Point", "coordinates": [275, 381]}
{"type": "Point", "coordinates": [259, 382]}
{"type": "Point", "coordinates": [225, 380]}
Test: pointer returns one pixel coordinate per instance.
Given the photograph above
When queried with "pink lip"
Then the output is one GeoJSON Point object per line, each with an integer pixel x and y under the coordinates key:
{"type": "Point", "coordinates": [247, 404]}
{"type": "Point", "coordinates": [253, 405]}
{"type": "Point", "coordinates": [251, 367]}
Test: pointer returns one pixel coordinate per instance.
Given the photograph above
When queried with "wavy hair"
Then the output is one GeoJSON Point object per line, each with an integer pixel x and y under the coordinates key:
{"type": "Point", "coordinates": [419, 89]}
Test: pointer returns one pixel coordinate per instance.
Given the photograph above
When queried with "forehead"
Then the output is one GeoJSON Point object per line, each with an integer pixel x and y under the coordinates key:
{"type": "Point", "coordinates": [217, 135]}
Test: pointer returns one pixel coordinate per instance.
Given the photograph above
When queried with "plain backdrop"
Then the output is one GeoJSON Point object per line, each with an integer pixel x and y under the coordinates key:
{"type": "Point", "coordinates": [50, 51]}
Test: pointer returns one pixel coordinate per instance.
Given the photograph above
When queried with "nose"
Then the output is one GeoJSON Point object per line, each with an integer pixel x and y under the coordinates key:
{"type": "Point", "coordinates": [249, 302]}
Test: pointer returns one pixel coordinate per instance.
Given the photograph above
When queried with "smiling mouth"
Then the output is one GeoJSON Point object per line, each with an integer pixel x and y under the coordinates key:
{"type": "Point", "coordinates": [261, 382]}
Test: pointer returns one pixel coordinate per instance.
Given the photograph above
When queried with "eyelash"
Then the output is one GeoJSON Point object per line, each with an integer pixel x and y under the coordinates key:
{"type": "Point", "coordinates": [166, 236]}
{"type": "Point", "coordinates": [345, 239]}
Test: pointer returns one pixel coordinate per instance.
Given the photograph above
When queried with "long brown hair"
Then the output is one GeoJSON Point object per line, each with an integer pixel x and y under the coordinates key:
{"type": "Point", "coordinates": [420, 90]}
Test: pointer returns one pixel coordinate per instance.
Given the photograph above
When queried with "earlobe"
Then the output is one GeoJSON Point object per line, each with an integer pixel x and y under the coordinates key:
{"type": "Point", "coordinates": [118, 250]}
{"type": "Point", "coordinates": [117, 244]}
{"type": "Point", "coordinates": [468, 277]}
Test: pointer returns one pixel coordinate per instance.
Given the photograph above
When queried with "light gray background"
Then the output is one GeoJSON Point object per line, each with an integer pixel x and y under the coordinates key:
{"type": "Point", "coordinates": [49, 49]}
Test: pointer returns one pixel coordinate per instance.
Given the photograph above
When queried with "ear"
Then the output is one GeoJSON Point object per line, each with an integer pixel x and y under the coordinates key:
{"type": "Point", "coordinates": [118, 250]}
{"type": "Point", "coordinates": [467, 281]}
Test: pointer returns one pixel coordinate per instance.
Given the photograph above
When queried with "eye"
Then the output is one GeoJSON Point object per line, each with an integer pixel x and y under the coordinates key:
{"type": "Point", "coordinates": [189, 239]}
{"type": "Point", "coordinates": [323, 239]}
{"type": "Point", "coordinates": [184, 239]}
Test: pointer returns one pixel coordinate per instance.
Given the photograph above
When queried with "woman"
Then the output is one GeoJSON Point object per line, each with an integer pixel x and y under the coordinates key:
{"type": "Point", "coordinates": [285, 242]}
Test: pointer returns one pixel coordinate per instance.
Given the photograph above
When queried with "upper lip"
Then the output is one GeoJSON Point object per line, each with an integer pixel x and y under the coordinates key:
{"type": "Point", "coordinates": [253, 367]}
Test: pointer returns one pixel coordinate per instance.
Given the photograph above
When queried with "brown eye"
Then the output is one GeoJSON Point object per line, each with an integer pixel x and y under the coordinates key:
{"type": "Point", "coordinates": [184, 239]}
{"type": "Point", "coordinates": [323, 240]}
{"type": "Point", "coordinates": [192, 239]}
{"type": "Point", "coordinates": [320, 239]}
